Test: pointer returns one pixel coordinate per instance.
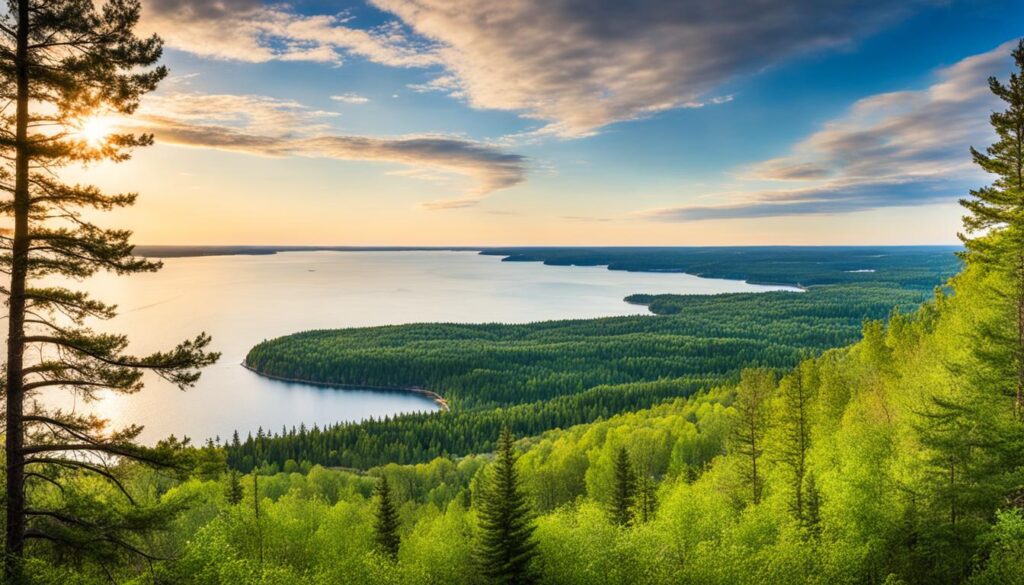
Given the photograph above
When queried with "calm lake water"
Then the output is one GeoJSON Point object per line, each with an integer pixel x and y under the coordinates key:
{"type": "Point", "coordinates": [242, 300]}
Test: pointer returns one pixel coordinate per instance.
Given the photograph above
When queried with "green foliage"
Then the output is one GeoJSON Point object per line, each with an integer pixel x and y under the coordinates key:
{"type": "Point", "coordinates": [895, 266]}
{"type": "Point", "coordinates": [995, 234]}
{"type": "Point", "coordinates": [1004, 546]}
{"type": "Point", "coordinates": [386, 522]}
{"type": "Point", "coordinates": [233, 491]}
{"type": "Point", "coordinates": [62, 62]}
{"type": "Point", "coordinates": [794, 405]}
{"type": "Point", "coordinates": [896, 460]}
{"type": "Point", "coordinates": [506, 547]}
{"type": "Point", "coordinates": [753, 416]}
{"type": "Point", "coordinates": [624, 490]}
{"type": "Point", "coordinates": [541, 376]}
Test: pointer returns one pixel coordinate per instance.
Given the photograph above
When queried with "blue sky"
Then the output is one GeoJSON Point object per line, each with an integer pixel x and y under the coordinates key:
{"type": "Point", "coordinates": [565, 122]}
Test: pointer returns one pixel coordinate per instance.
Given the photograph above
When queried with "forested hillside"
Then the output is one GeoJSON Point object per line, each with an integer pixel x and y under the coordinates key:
{"type": "Point", "coordinates": [541, 376]}
{"type": "Point", "coordinates": [895, 460]}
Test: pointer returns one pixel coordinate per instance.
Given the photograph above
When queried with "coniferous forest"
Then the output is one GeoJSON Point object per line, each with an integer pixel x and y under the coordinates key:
{"type": "Point", "coordinates": [868, 428]}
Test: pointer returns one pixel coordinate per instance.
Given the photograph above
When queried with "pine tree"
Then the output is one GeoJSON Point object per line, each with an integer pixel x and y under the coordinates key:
{"type": "Point", "coordinates": [794, 427]}
{"type": "Point", "coordinates": [233, 491]}
{"type": "Point", "coordinates": [64, 62]}
{"type": "Point", "coordinates": [623, 489]}
{"type": "Point", "coordinates": [506, 545]}
{"type": "Point", "coordinates": [752, 418]}
{"type": "Point", "coordinates": [386, 522]}
{"type": "Point", "coordinates": [995, 218]}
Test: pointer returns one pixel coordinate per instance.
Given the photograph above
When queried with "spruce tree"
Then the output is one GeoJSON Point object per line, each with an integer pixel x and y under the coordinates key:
{"type": "Point", "coordinates": [233, 491]}
{"type": "Point", "coordinates": [994, 226]}
{"type": "Point", "coordinates": [623, 489]}
{"type": "Point", "coordinates": [62, 63]}
{"type": "Point", "coordinates": [506, 545]}
{"type": "Point", "coordinates": [386, 522]}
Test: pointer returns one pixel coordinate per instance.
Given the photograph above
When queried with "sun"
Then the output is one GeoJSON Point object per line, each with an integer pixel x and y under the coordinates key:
{"type": "Point", "coordinates": [95, 130]}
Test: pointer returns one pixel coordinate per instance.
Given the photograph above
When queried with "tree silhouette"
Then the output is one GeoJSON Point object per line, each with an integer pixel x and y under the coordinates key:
{"type": "Point", "coordinates": [63, 63]}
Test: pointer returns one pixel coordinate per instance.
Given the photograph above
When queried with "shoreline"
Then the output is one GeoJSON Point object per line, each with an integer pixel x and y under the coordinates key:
{"type": "Point", "coordinates": [434, 396]}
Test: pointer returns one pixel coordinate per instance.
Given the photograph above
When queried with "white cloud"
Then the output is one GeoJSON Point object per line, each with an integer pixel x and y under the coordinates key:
{"type": "Point", "coordinates": [580, 66]}
{"type": "Point", "coordinates": [575, 66]}
{"type": "Point", "coordinates": [266, 126]}
{"type": "Point", "coordinates": [351, 98]}
{"type": "Point", "coordinates": [252, 31]}
{"type": "Point", "coordinates": [891, 149]}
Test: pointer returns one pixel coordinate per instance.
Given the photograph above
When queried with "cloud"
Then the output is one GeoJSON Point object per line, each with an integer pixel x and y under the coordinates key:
{"type": "Point", "coordinates": [826, 199]}
{"type": "Point", "coordinates": [277, 128]}
{"type": "Point", "coordinates": [351, 98]}
{"type": "Point", "coordinates": [575, 66]}
{"type": "Point", "coordinates": [892, 149]}
{"type": "Point", "coordinates": [579, 66]}
{"type": "Point", "coordinates": [252, 31]}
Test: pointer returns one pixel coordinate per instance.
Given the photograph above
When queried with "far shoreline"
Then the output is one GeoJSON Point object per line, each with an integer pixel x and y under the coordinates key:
{"type": "Point", "coordinates": [434, 396]}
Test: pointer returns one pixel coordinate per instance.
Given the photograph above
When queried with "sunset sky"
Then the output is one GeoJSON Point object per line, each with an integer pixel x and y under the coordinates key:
{"type": "Point", "coordinates": [526, 122]}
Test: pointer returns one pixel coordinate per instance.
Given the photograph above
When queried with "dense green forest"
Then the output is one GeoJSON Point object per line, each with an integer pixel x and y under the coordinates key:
{"type": "Point", "coordinates": [881, 462]}
{"type": "Point", "coordinates": [907, 266]}
{"type": "Point", "coordinates": [547, 375]}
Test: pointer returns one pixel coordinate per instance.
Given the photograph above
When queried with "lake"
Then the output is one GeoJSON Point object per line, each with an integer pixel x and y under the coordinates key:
{"type": "Point", "coordinates": [242, 300]}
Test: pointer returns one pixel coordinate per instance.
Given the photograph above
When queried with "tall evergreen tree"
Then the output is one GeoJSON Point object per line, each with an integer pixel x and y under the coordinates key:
{"type": "Point", "coordinates": [623, 489]}
{"type": "Point", "coordinates": [386, 522]}
{"type": "Point", "coordinates": [506, 545]}
{"type": "Point", "coordinates": [794, 430]}
{"type": "Point", "coordinates": [753, 413]}
{"type": "Point", "coordinates": [233, 491]}
{"type": "Point", "coordinates": [62, 63]}
{"type": "Point", "coordinates": [970, 433]}
{"type": "Point", "coordinates": [994, 226]}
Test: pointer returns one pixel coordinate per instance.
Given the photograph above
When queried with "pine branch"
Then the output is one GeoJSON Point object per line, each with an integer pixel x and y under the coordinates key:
{"type": "Point", "coordinates": [73, 464]}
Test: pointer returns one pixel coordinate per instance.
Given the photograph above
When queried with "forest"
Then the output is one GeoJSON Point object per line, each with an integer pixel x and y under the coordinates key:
{"type": "Point", "coordinates": [548, 375]}
{"type": "Point", "coordinates": [910, 266]}
{"type": "Point", "coordinates": [893, 460]}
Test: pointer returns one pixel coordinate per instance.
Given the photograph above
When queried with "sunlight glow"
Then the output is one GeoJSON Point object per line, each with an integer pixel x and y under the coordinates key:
{"type": "Point", "coordinates": [95, 130]}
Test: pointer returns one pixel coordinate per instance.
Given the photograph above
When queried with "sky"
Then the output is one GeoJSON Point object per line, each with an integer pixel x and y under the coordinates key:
{"type": "Point", "coordinates": [563, 122]}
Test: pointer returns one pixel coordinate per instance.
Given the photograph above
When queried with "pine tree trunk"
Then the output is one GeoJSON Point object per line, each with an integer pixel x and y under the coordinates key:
{"type": "Point", "coordinates": [16, 319]}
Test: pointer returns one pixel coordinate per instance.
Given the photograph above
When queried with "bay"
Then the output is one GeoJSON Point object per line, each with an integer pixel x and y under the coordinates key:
{"type": "Point", "coordinates": [242, 300]}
